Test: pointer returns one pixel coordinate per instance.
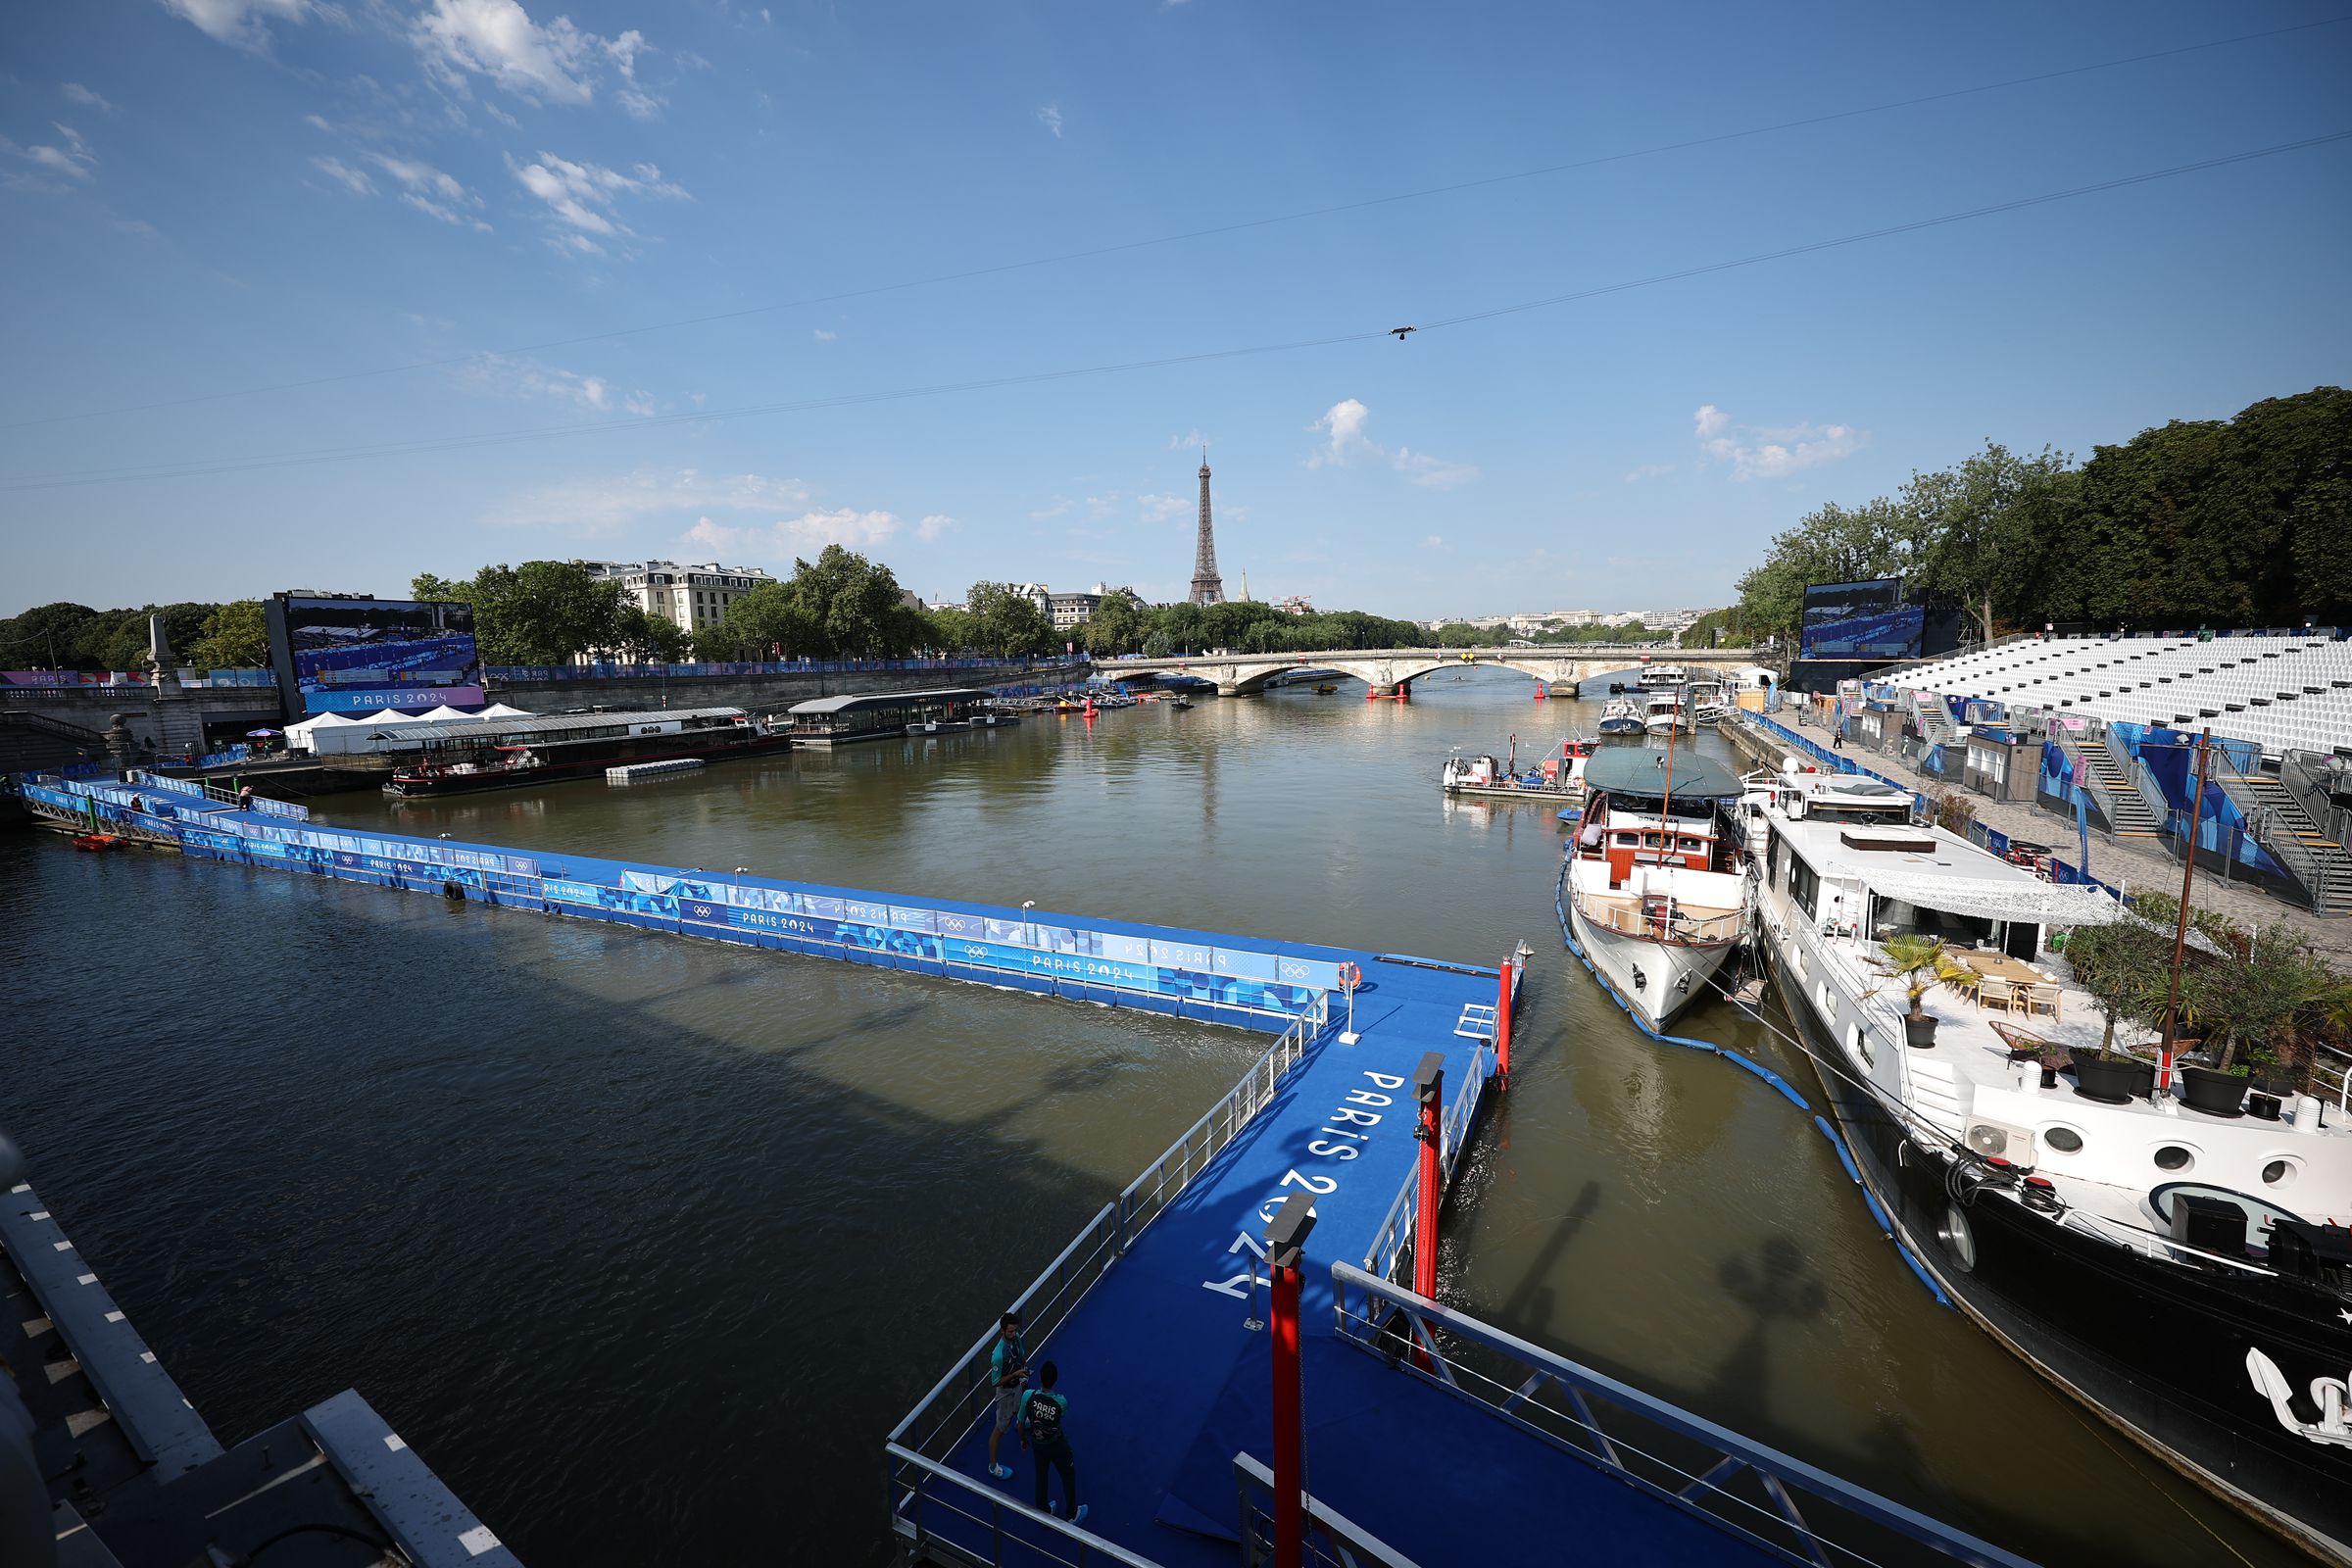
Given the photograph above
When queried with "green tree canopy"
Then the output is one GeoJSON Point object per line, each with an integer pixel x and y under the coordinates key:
{"type": "Point", "coordinates": [1005, 624]}
{"type": "Point", "coordinates": [234, 636]}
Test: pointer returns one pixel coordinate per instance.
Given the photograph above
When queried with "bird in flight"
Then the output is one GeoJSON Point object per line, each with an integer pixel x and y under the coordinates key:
{"type": "Point", "coordinates": [1397, 332]}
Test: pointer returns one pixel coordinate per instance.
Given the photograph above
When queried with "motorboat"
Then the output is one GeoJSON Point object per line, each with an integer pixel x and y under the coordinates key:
{"type": "Point", "coordinates": [1707, 702]}
{"type": "Point", "coordinates": [1620, 717]}
{"type": "Point", "coordinates": [1663, 677]}
{"type": "Point", "coordinates": [1559, 776]}
{"type": "Point", "coordinates": [2185, 1275]}
{"type": "Point", "coordinates": [1665, 714]}
{"type": "Point", "coordinates": [1654, 887]}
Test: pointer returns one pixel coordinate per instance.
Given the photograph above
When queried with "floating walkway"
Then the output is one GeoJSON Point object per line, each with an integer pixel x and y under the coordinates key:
{"type": "Point", "coordinates": [629, 771]}
{"type": "Point", "coordinates": [1478, 1449]}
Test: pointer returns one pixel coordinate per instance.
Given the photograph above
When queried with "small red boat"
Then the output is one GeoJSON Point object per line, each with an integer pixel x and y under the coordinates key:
{"type": "Point", "coordinates": [95, 843]}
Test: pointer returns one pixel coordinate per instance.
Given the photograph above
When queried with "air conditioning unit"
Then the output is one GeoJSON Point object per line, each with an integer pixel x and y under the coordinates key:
{"type": "Point", "coordinates": [1999, 1140]}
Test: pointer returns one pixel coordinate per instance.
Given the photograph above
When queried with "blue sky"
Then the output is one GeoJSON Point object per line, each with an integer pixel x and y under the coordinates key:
{"type": "Point", "coordinates": [406, 202]}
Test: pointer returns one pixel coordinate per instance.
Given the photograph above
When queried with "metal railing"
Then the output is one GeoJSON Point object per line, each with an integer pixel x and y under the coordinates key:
{"type": "Point", "coordinates": [1333, 1539]}
{"type": "Point", "coordinates": [796, 666]}
{"type": "Point", "coordinates": [1676, 926]}
{"type": "Point", "coordinates": [940, 1420]}
{"type": "Point", "coordinates": [2305, 775]}
{"type": "Point", "coordinates": [1681, 1459]}
{"type": "Point", "coordinates": [2333, 1074]}
{"type": "Point", "coordinates": [1388, 1242]}
{"type": "Point", "coordinates": [987, 1512]}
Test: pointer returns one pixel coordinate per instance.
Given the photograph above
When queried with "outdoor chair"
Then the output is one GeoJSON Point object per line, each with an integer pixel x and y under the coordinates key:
{"type": "Point", "coordinates": [2044, 998]}
{"type": "Point", "coordinates": [1993, 995]}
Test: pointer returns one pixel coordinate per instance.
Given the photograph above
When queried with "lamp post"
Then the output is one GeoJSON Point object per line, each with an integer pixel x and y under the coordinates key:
{"type": "Point", "coordinates": [1028, 926]}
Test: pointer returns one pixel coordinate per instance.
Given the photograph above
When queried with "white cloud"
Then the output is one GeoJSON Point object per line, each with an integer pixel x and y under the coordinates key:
{"type": "Point", "coordinates": [243, 23]}
{"type": "Point", "coordinates": [823, 336]}
{"type": "Point", "coordinates": [74, 92]}
{"type": "Point", "coordinates": [584, 197]}
{"type": "Point", "coordinates": [430, 192]}
{"type": "Point", "coordinates": [1648, 470]}
{"type": "Point", "coordinates": [1436, 541]}
{"type": "Point", "coordinates": [1345, 442]}
{"type": "Point", "coordinates": [1773, 452]}
{"type": "Point", "coordinates": [597, 506]}
{"type": "Point", "coordinates": [1159, 509]}
{"type": "Point", "coordinates": [555, 63]}
{"type": "Point", "coordinates": [804, 535]}
{"type": "Point", "coordinates": [351, 180]}
{"type": "Point", "coordinates": [1191, 439]}
{"type": "Point", "coordinates": [70, 157]}
{"type": "Point", "coordinates": [528, 380]}
{"type": "Point", "coordinates": [1049, 117]}
{"type": "Point", "coordinates": [1060, 507]}
{"type": "Point", "coordinates": [932, 526]}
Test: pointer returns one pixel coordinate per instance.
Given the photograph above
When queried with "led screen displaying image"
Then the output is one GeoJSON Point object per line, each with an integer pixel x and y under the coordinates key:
{"type": "Point", "coordinates": [1860, 620]}
{"type": "Point", "coordinates": [360, 655]}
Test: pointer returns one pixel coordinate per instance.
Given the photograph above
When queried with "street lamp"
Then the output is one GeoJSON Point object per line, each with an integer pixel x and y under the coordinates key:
{"type": "Point", "coordinates": [1028, 926]}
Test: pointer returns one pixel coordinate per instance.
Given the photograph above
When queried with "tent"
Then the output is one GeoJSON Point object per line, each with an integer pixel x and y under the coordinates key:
{"type": "Point", "coordinates": [442, 715]}
{"type": "Point", "coordinates": [502, 711]}
{"type": "Point", "coordinates": [302, 737]}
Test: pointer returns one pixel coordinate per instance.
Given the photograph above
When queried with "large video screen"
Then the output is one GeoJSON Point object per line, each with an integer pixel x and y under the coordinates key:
{"type": "Point", "coordinates": [1860, 620]}
{"type": "Point", "coordinates": [354, 655]}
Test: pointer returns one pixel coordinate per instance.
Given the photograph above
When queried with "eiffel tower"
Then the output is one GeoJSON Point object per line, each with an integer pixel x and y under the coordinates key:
{"type": "Point", "coordinates": [1207, 587]}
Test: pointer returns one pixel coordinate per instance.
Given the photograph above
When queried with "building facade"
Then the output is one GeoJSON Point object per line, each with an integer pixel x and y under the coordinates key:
{"type": "Point", "coordinates": [692, 596]}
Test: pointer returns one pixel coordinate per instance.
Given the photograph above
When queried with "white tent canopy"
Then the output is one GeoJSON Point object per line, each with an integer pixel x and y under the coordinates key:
{"type": "Point", "coordinates": [502, 711]}
{"type": "Point", "coordinates": [2021, 898]}
{"type": "Point", "coordinates": [442, 715]}
{"type": "Point", "coordinates": [302, 737]}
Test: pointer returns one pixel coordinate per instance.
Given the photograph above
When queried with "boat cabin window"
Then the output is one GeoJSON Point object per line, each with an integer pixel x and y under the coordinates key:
{"type": "Point", "coordinates": [1654, 841]}
{"type": "Point", "coordinates": [1804, 886]}
{"type": "Point", "coordinates": [1627, 841]}
{"type": "Point", "coordinates": [1691, 846]}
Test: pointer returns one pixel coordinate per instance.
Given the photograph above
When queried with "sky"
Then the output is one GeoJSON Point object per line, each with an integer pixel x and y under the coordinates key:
{"type": "Point", "coordinates": [322, 295]}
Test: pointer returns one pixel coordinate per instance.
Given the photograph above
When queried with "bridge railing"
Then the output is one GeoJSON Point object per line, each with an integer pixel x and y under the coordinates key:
{"type": "Point", "coordinates": [1684, 1460]}
{"type": "Point", "coordinates": [918, 1479]}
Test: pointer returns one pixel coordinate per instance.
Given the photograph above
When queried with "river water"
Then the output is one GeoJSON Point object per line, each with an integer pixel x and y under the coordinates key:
{"type": "Point", "coordinates": [645, 1242]}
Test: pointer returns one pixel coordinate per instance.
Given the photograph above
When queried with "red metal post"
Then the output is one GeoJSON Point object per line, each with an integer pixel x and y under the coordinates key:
{"type": "Point", "coordinates": [1429, 1090]}
{"type": "Point", "coordinates": [1286, 1240]}
{"type": "Point", "coordinates": [1503, 1022]}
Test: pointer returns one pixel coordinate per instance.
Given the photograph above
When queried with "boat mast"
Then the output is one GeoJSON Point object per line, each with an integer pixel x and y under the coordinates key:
{"type": "Point", "coordinates": [2188, 873]}
{"type": "Point", "coordinates": [1666, 806]}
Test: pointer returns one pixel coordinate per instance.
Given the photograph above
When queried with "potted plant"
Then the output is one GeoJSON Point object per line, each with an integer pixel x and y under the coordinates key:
{"type": "Point", "coordinates": [1921, 964]}
{"type": "Point", "coordinates": [2124, 967]}
{"type": "Point", "coordinates": [2246, 998]}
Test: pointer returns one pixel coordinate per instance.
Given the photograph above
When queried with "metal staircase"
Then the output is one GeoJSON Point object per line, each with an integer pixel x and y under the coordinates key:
{"type": "Point", "coordinates": [2127, 814]}
{"type": "Point", "coordinates": [2277, 820]}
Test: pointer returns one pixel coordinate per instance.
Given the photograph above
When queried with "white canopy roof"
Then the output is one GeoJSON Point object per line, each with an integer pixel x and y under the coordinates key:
{"type": "Point", "coordinates": [502, 711]}
{"type": "Point", "coordinates": [2018, 898]}
{"type": "Point", "coordinates": [442, 713]}
{"type": "Point", "coordinates": [320, 722]}
{"type": "Point", "coordinates": [388, 716]}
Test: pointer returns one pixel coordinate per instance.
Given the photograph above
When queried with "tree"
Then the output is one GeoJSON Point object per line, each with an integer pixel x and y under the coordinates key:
{"type": "Point", "coordinates": [1973, 524]}
{"type": "Point", "coordinates": [45, 636]}
{"type": "Point", "coordinates": [541, 613]}
{"type": "Point", "coordinates": [234, 636]}
{"type": "Point", "coordinates": [1006, 625]}
{"type": "Point", "coordinates": [1116, 627]}
{"type": "Point", "coordinates": [2124, 967]}
{"type": "Point", "coordinates": [850, 603]}
{"type": "Point", "coordinates": [436, 590]}
{"type": "Point", "coordinates": [767, 623]}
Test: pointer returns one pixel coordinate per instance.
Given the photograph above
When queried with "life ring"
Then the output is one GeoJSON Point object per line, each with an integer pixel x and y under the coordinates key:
{"type": "Point", "coordinates": [1350, 976]}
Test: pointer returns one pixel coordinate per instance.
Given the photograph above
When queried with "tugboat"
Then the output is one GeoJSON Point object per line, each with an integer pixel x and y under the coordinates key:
{"type": "Point", "coordinates": [1655, 882]}
{"type": "Point", "coordinates": [2188, 1276]}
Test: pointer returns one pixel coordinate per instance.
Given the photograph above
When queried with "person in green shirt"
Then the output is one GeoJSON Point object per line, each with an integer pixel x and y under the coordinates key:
{"type": "Point", "coordinates": [1009, 1371]}
{"type": "Point", "coordinates": [1042, 1412]}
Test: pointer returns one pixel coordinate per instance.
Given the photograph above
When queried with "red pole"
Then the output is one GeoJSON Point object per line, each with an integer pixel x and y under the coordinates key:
{"type": "Point", "coordinates": [1503, 1024]}
{"type": "Point", "coordinates": [1428, 1089]}
{"type": "Point", "coordinates": [1286, 1240]}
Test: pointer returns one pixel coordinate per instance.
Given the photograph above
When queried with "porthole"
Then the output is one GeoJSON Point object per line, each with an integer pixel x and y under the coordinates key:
{"type": "Point", "coordinates": [2280, 1173]}
{"type": "Point", "coordinates": [2065, 1140]}
{"type": "Point", "coordinates": [1828, 1009]}
{"type": "Point", "coordinates": [1954, 1233]}
{"type": "Point", "coordinates": [1859, 1042]}
{"type": "Point", "coordinates": [2172, 1156]}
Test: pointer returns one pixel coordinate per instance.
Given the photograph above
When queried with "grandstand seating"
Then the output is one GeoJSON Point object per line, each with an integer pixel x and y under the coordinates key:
{"type": "Point", "coordinates": [2281, 691]}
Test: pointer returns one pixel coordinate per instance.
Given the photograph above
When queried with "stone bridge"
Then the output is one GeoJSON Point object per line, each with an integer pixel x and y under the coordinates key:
{"type": "Point", "coordinates": [1391, 671]}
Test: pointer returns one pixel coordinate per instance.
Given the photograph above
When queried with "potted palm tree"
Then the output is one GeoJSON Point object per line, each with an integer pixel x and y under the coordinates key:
{"type": "Point", "coordinates": [2245, 999]}
{"type": "Point", "coordinates": [1921, 964]}
{"type": "Point", "coordinates": [2123, 968]}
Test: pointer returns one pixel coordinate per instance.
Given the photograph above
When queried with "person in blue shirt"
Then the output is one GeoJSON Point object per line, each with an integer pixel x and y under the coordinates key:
{"type": "Point", "coordinates": [1042, 1412]}
{"type": "Point", "coordinates": [1009, 1370]}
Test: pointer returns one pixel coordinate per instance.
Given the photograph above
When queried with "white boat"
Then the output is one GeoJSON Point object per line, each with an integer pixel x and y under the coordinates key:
{"type": "Point", "coordinates": [1620, 717]}
{"type": "Point", "coordinates": [2150, 1260]}
{"type": "Point", "coordinates": [1706, 702]}
{"type": "Point", "coordinates": [1559, 776]}
{"type": "Point", "coordinates": [1663, 677]}
{"type": "Point", "coordinates": [1655, 889]}
{"type": "Point", "coordinates": [1665, 713]}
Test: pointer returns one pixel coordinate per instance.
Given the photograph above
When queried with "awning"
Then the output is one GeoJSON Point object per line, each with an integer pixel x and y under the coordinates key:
{"type": "Point", "coordinates": [2022, 898]}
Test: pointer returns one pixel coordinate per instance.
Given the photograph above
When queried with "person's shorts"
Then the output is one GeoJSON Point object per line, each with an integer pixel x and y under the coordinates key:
{"type": "Point", "coordinates": [1009, 1407]}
